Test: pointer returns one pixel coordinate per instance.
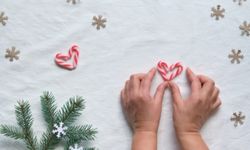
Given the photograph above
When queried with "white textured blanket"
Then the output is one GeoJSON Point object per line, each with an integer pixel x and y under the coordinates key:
{"type": "Point", "coordinates": [137, 35]}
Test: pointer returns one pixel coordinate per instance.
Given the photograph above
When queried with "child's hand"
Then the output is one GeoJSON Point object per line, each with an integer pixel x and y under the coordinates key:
{"type": "Point", "coordinates": [190, 114]}
{"type": "Point", "coordinates": [142, 110]}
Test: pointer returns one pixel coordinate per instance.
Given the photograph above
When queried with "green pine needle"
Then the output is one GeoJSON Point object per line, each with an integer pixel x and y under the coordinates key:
{"type": "Point", "coordinates": [76, 134]}
{"type": "Point", "coordinates": [11, 131]}
{"type": "Point", "coordinates": [48, 141]}
{"type": "Point", "coordinates": [23, 115]}
{"type": "Point", "coordinates": [49, 108]}
{"type": "Point", "coordinates": [71, 110]}
{"type": "Point", "coordinates": [24, 120]}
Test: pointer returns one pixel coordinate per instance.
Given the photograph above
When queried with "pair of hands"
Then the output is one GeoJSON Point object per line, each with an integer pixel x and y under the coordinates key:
{"type": "Point", "coordinates": [143, 111]}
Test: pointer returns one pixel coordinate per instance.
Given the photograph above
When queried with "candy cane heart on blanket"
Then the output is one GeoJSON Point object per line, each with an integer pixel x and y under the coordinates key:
{"type": "Point", "coordinates": [169, 72]}
{"type": "Point", "coordinates": [63, 60]}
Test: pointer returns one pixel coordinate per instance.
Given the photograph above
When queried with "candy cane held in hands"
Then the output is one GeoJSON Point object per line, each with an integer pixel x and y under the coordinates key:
{"type": "Point", "coordinates": [164, 69]}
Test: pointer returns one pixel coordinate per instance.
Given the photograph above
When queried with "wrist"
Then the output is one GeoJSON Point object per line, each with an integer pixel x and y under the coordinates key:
{"type": "Point", "coordinates": [145, 133]}
{"type": "Point", "coordinates": [144, 140]}
{"type": "Point", "coordinates": [146, 127]}
{"type": "Point", "coordinates": [188, 135]}
{"type": "Point", "coordinates": [191, 140]}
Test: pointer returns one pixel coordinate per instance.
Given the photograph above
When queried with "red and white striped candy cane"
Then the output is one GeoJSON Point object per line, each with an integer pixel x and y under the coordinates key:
{"type": "Point", "coordinates": [61, 59]}
{"type": "Point", "coordinates": [164, 69]}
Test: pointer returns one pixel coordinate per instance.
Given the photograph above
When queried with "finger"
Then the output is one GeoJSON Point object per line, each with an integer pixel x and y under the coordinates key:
{"type": "Point", "coordinates": [139, 76]}
{"type": "Point", "coordinates": [123, 99]}
{"type": "Point", "coordinates": [176, 94]}
{"type": "Point", "coordinates": [135, 80]}
{"type": "Point", "coordinates": [126, 90]}
{"type": "Point", "coordinates": [122, 95]}
{"type": "Point", "coordinates": [208, 84]}
{"type": "Point", "coordinates": [146, 82]}
{"type": "Point", "coordinates": [215, 94]}
{"type": "Point", "coordinates": [216, 104]}
{"type": "Point", "coordinates": [160, 92]}
{"type": "Point", "coordinates": [127, 86]}
{"type": "Point", "coordinates": [194, 81]}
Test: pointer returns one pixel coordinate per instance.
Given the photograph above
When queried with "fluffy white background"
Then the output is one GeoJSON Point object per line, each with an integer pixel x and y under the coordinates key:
{"type": "Point", "coordinates": [139, 33]}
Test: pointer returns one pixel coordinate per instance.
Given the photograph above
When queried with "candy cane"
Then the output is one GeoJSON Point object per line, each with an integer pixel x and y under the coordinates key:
{"type": "Point", "coordinates": [163, 69]}
{"type": "Point", "coordinates": [61, 59]}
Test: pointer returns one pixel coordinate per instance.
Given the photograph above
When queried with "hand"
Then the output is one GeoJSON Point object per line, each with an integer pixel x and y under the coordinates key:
{"type": "Point", "coordinates": [142, 110]}
{"type": "Point", "coordinates": [190, 114]}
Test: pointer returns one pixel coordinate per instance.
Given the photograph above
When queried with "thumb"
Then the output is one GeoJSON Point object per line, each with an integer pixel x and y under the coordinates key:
{"type": "Point", "coordinates": [159, 93]}
{"type": "Point", "coordinates": [176, 94]}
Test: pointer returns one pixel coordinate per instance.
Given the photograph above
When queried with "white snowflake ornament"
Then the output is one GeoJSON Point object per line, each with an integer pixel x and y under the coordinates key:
{"type": "Point", "coordinates": [75, 147]}
{"type": "Point", "coordinates": [59, 130]}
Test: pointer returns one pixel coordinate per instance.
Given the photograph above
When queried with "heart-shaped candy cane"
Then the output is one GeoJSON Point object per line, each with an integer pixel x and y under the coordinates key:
{"type": "Point", "coordinates": [164, 69]}
{"type": "Point", "coordinates": [62, 59]}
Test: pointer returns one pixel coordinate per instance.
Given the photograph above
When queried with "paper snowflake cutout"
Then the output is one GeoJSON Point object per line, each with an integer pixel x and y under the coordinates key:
{"type": "Point", "coordinates": [240, 1]}
{"type": "Point", "coordinates": [238, 119]}
{"type": "Point", "coordinates": [99, 22]}
{"type": "Point", "coordinates": [59, 130]}
{"type": "Point", "coordinates": [217, 12]}
{"type": "Point", "coordinates": [71, 1]}
{"type": "Point", "coordinates": [3, 18]}
{"type": "Point", "coordinates": [75, 147]}
{"type": "Point", "coordinates": [245, 28]}
{"type": "Point", "coordinates": [235, 56]}
{"type": "Point", "coordinates": [12, 54]}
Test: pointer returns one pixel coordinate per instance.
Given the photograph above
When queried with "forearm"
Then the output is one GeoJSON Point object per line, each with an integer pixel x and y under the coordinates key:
{"type": "Point", "coordinates": [144, 141]}
{"type": "Point", "coordinates": [192, 141]}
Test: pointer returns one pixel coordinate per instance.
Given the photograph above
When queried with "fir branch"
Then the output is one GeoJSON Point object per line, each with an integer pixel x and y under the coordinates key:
{"type": "Point", "coordinates": [71, 110]}
{"type": "Point", "coordinates": [68, 114]}
{"type": "Point", "coordinates": [49, 108]}
{"type": "Point", "coordinates": [23, 115]}
{"type": "Point", "coordinates": [48, 141]}
{"type": "Point", "coordinates": [11, 131]}
{"type": "Point", "coordinates": [77, 134]}
{"type": "Point", "coordinates": [25, 121]}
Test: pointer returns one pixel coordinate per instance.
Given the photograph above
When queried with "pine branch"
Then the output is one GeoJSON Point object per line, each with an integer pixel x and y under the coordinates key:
{"type": "Point", "coordinates": [71, 110]}
{"type": "Point", "coordinates": [49, 108]}
{"type": "Point", "coordinates": [11, 131]}
{"type": "Point", "coordinates": [77, 134]}
{"type": "Point", "coordinates": [48, 141]}
{"type": "Point", "coordinates": [25, 121]}
{"type": "Point", "coordinates": [23, 115]}
{"type": "Point", "coordinates": [68, 114]}
{"type": "Point", "coordinates": [81, 133]}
